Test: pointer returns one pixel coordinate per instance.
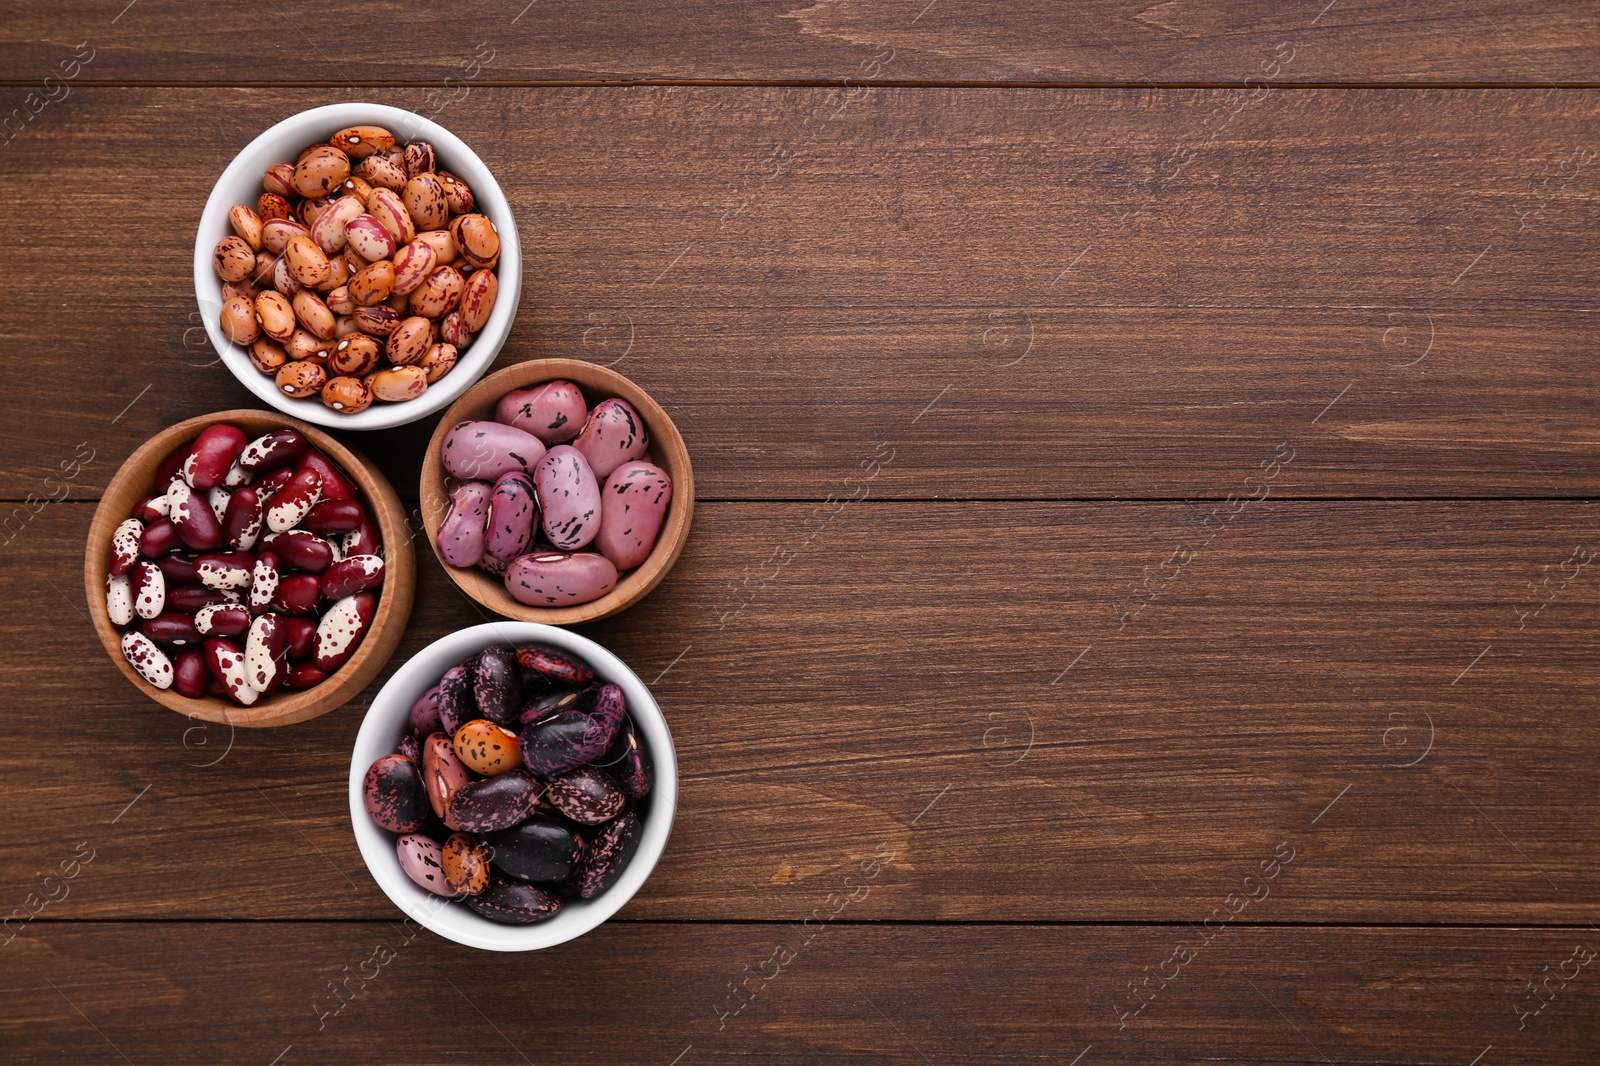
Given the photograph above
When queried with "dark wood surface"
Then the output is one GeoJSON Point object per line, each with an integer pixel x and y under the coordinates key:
{"type": "Point", "coordinates": [1214, 662]}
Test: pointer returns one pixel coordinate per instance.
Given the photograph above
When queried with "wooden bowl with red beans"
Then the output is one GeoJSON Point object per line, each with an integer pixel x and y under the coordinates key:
{"type": "Point", "coordinates": [244, 567]}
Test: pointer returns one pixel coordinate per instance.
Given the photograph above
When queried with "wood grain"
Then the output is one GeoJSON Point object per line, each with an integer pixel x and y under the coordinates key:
{"type": "Point", "coordinates": [943, 269]}
{"type": "Point", "coordinates": [956, 680]}
{"type": "Point", "coordinates": [1122, 42]}
{"type": "Point", "coordinates": [832, 993]}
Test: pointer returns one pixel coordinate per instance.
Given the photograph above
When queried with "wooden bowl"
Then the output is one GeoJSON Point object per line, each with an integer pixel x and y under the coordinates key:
{"type": "Point", "coordinates": [135, 479]}
{"type": "Point", "coordinates": [667, 451]}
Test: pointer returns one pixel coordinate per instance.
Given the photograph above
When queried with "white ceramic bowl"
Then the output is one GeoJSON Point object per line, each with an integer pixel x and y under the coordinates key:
{"type": "Point", "coordinates": [241, 184]}
{"type": "Point", "coordinates": [386, 723]}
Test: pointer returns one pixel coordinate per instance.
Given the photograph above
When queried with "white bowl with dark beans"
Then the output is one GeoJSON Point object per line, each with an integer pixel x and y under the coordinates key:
{"type": "Point", "coordinates": [512, 786]}
{"type": "Point", "coordinates": [357, 266]}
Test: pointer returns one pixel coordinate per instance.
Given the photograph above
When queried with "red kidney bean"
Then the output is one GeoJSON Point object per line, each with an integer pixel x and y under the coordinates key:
{"type": "Point", "coordinates": [124, 547]}
{"type": "Point", "coordinates": [213, 453]}
{"type": "Point", "coordinates": [341, 630]}
{"type": "Point", "coordinates": [272, 450]}
{"type": "Point", "coordinates": [266, 653]}
{"type": "Point", "coordinates": [334, 516]}
{"type": "Point", "coordinates": [172, 627]}
{"type": "Point", "coordinates": [335, 485]}
{"type": "Point", "coordinates": [225, 570]}
{"type": "Point", "coordinates": [303, 675]}
{"type": "Point", "coordinates": [264, 579]}
{"type": "Point", "coordinates": [358, 573]}
{"type": "Point", "coordinates": [192, 515]}
{"type": "Point", "coordinates": [158, 538]}
{"type": "Point", "coordinates": [294, 501]}
{"type": "Point", "coordinates": [302, 634]}
{"type": "Point", "coordinates": [298, 550]}
{"type": "Point", "coordinates": [197, 597]}
{"type": "Point", "coordinates": [172, 465]}
{"type": "Point", "coordinates": [149, 589]}
{"type": "Point", "coordinates": [241, 523]}
{"type": "Point", "coordinates": [297, 594]}
{"type": "Point", "coordinates": [143, 655]}
{"type": "Point", "coordinates": [226, 662]}
{"type": "Point", "coordinates": [179, 570]}
{"type": "Point", "coordinates": [222, 620]}
{"type": "Point", "coordinates": [191, 676]}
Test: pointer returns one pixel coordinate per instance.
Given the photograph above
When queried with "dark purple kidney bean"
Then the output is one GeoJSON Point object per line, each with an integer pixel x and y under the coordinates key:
{"type": "Point", "coordinates": [335, 486]}
{"type": "Point", "coordinates": [241, 521]}
{"type": "Point", "coordinates": [554, 663]}
{"type": "Point", "coordinates": [497, 685]}
{"type": "Point", "coordinates": [425, 714]}
{"type": "Point", "coordinates": [298, 550]}
{"type": "Point", "coordinates": [302, 632]}
{"type": "Point", "coordinates": [179, 570]}
{"type": "Point", "coordinates": [159, 538]}
{"type": "Point", "coordinates": [172, 628]}
{"type": "Point", "coordinates": [512, 903]}
{"type": "Point", "coordinates": [192, 598]}
{"type": "Point", "coordinates": [213, 453]}
{"type": "Point", "coordinates": [607, 855]}
{"type": "Point", "coordinates": [549, 704]}
{"type": "Point", "coordinates": [297, 594]}
{"type": "Point", "coordinates": [572, 738]}
{"type": "Point", "coordinates": [334, 516]}
{"type": "Point", "coordinates": [411, 748]}
{"type": "Point", "coordinates": [393, 793]}
{"type": "Point", "coordinates": [456, 701]}
{"type": "Point", "coordinates": [540, 849]}
{"type": "Point", "coordinates": [193, 677]}
{"type": "Point", "coordinates": [498, 802]}
{"type": "Point", "coordinates": [626, 762]}
{"type": "Point", "coordinates": [587, 795]}
{"type": "Point", "coordinates": [358, 573]}
{"type": "Point", "coordinates": [273, 450]}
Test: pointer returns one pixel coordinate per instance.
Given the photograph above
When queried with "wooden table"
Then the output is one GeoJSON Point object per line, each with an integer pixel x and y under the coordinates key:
{"type": "Point", "coordinates": [1142, 603]}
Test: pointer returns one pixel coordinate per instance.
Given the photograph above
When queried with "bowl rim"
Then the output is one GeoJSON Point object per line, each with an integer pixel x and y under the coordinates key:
{"type": "Point", "coordinates": [665, 438]}
{"type": "Point", "coordinates": [282, 707]}
{"type": "Point", "coordinates": [245, 166]}
{"type": "Point", "coordinates": [385, 724]}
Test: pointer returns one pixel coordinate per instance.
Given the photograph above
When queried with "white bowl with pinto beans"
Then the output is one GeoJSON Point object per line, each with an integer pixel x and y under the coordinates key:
{"type": "Point", "coordinates": [376, 304]}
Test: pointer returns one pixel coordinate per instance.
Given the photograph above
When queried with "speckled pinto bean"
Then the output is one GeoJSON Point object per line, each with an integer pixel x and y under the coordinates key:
{"type": "Point", "coordinates": [559, 579]}
{"type": "Point", "coordinates": [634, 506]}
{"type": "Point", "coordinates": [613, 435]}
{"type": "Point", "coordinates": [569, 497]}
{"type": "Point", "coordinates": [553, 412]}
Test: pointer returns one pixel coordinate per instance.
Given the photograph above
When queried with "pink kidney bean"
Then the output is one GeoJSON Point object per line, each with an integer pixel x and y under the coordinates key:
{"type": "Point", "coordinates": [124, 547]}
{"type": "Point", "coordinates": [513, 511]}
{"type": "Point", "coordinates": [613, 435]}
{"type": "Point", "coordinates": [634, 506]}
{"type": "Point", "coordinates": [150, 661]}
{"type": "Point", "coordinates": [213, 453]}
{"type": "Point", "coordinates": [422, 859]}
{"type": "Point", "coordinates": [443, 772]}
{"type": "Point", "coordinates": [482, 451]}
{"type": "Point", "coordinates": [149, 589]}
{"type": "Point", "coordinates": [554, 411]}
{"type": "Point", "coordinates": [294, 501]}
{"type": "Point", "coordinates": [569, 497]}
{"type": "Point", "coordinates": [358, 573]}
{"type": "Point", "coordinates": [463, 531]}
{"type": "Point", "coordinates": [560, 579]}
{"type": "Point", "coordinates": [341, 630]}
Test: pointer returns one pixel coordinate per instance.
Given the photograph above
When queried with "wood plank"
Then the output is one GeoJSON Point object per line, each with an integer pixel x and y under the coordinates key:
{"type": "Point", "coordinates": [950, 270]}
{"type": "Point", "coordinates": [840, 993]}
{"type": "Point", "coordinates": [1373, 686]}
{"type": "Point", "coordinates": [1029, 41]}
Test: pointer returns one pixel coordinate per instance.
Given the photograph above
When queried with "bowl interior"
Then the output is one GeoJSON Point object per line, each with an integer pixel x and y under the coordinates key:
{"type": "Point", "coordinates": [386, 723]}
{"type": "Point", "coordinates": [241, 184]}
{"type": "Point", "coordinates": [133, 481]}
{"type": "Point", "coordinates": [667, 450]}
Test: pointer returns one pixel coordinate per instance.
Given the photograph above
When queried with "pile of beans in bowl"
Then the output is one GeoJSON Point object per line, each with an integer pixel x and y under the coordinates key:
{"type": "Point", "coordinates": [361, 273]}
{"type": "Point", "coordinates": [553, 496]}
{"type": "Point", "coordinates": [517, 786]}
{"type": "Point", "coordinates": [252, 565]}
